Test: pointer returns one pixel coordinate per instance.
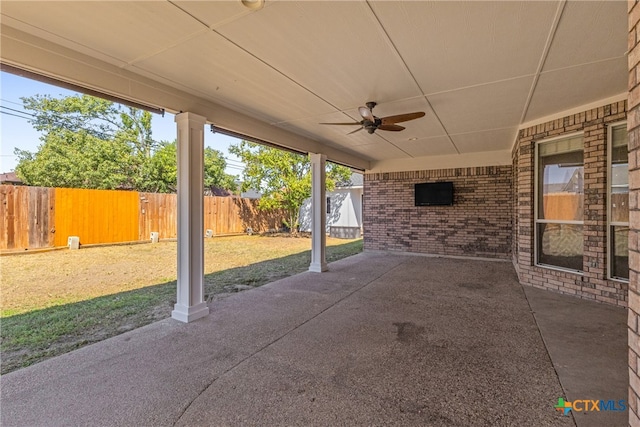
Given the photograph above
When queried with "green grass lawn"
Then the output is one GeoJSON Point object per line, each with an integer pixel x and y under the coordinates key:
{"type": "Point", "coordinates": [58, 301]}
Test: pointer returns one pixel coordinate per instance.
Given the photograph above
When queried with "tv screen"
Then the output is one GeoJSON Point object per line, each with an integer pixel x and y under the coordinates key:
{"type": "Point", "coordinates": [434, 194]}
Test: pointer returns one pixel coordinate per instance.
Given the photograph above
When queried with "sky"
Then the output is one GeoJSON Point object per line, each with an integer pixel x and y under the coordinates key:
{"type": "Point", "coordinates": [16, 131]}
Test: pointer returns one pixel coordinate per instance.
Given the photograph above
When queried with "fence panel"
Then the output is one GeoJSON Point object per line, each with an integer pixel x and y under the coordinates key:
{"type": "Point", "coordinates": [96, 216]}
{"type": "Point", "coordinates": [41, 213]}
{"type": "Point", "coordinates": [27, 217]}
{"type": "Point", "coordinates": [34, 217]}
{"type": "Point", "coordinates": [563, 206]}
{"type": "Point", "coordinates": [158, 212]}
{"type": "Point", "coordinates": [248, 212]}
{"type": "Point", "coordinates": [222, 216]}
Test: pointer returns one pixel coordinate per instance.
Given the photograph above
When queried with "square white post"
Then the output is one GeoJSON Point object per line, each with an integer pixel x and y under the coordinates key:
{"type": "Point", "coordinates": [190, 149]}
{"type": "Point", "coordinates": [318, 213]}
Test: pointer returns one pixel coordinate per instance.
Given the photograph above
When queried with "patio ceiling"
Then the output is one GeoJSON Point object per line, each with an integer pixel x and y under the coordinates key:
{"type": "Point", "coordinates": [480, 70]}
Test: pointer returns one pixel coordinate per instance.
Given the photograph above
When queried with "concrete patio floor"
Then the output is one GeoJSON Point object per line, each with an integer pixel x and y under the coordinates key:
{"type": "Point", "coordinates": [381, 339]}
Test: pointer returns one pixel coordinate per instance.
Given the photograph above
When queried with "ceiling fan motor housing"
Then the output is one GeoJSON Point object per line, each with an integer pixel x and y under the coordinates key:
{"type": "Point", "coordinates": [372, 123]}
{"type": "Point", "coordinates": [371, 126]}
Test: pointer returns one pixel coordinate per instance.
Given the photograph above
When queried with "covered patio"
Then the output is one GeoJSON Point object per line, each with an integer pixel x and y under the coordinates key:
{"type": "Point", "coordinates": [513, 104]}
{"type": "Point", "coordinates": [379, 339]}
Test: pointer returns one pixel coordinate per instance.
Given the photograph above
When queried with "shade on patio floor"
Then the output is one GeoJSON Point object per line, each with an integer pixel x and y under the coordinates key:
{"type": "Point", "coordinates": [380, 339]}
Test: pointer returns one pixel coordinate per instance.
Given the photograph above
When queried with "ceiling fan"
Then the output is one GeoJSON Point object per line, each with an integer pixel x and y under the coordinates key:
{"type": "Point", "coordinates": [371, 123]}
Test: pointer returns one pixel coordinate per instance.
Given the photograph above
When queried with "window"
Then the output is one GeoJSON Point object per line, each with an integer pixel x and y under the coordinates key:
{"type": "Point", "coordinates": [618, 206]}
{"type": "Point", "coordinates": [560, 203]}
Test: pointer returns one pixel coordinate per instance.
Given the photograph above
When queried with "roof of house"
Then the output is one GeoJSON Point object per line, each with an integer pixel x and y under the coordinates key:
{"type": "Point", "coordinates": [10, 178]}
{"type": "Point", "coordinates": [356, 180]}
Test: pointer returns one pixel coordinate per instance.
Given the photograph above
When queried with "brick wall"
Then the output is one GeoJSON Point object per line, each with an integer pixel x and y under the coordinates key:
{"type": "Point", "coordinates": [633, 126]}
{"type": "Point", "coordinates": [478, 224]}
{"type": "Point", "coordinates": [592, 283]}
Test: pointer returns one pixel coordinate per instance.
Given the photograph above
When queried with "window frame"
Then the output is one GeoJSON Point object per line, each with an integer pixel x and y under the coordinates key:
{"type": "Point", "coordinates": [608, 233]}
{"type": "Point", "coordinates": [536, 206]}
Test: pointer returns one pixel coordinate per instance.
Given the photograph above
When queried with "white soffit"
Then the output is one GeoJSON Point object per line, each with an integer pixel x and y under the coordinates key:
{"type": "Point", "coordinates": [335, 50]}
{"type": "Point", "coordinates": [434, 146]}
{"type": "Point", "coordinates": [490, 140]}
{"type": "Point", "coordinates": [479, 70]}
{"type": "Point", "coordinates": [215, 13]}
{"type": "Point", "coordinates": [565, 88]}
{"type": "Point", "coordinates": [588, 32]}
{"type": "Point", "coordinates": [381, 148]}
{"type": "Point", "coordinates": [203, 63]}
{"type": "Point", "coordinates": [450, 45]}
{"type": "Point", "coordinates": [118, 32]}
{"type": "Point", "coordinates": [490, 106]}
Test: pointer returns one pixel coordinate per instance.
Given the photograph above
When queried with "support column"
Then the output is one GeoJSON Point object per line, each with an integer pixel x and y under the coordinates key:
{"type": "Point", "coordinates": [318, 213]}
{"type": "Point", "coordinates": [190, 149]}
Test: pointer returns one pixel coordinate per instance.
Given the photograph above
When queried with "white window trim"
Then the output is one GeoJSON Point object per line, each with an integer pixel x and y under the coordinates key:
{"type": "Point", "coordinates": [536, 200]}
{"type": "Point", "coordinates": [608, 236]}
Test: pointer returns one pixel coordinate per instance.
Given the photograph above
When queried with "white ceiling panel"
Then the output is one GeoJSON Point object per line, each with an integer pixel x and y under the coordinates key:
{"type": "Point", "coordinates": [372, 146]}
{"type": "Point", "coordinates": [337, 134]}
{"type": "Point", "coordinates": [450, 45]}
{"type": "Point", "coordinates": [335, 49]}
{"type": "Point", "coordinates": [116, 29]}
{"type": "Point", "coordinates": [469, 65]}
{"type": "Point", "coordinates": [492, 140]}
{"type": "Point", "coordinates": [427, 126]}
{"type": "Point", "coordinates": [215, 13]}
{"type": "Point", "coordinates": [569, 87]}
{"type": "Point", "coordinates": [435, 146]}
{"type": "Point", "coordinates": [225, 73]}
{"type": "Point", "coordinates": [588, 32]}
{"type": "Point", "coordinates": [422, 128]}
{"type": "Point", "coordinates": [492, 106]}
{"type": "Point", "coordinates": [379, 149]}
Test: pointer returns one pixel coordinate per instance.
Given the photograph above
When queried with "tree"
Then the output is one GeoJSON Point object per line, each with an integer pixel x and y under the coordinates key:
{"type": "Point", "coordinates": [89, 142]}
{"type": "Point", "coordinates": [214, 175]}
{"type": "Point", "coordinates": [283, 178]}
{"type": "Point", "coordinates": [161, 172]}
{"type": "Point", "coordinates": [76, 160]}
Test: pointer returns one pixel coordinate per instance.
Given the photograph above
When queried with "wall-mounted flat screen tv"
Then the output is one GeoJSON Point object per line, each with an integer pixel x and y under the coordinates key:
{"type": "Point", "coordinates": [434, 194]}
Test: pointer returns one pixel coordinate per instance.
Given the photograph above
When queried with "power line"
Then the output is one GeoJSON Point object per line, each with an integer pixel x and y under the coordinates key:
{"type": "Point", "coordinates": [233, 160]}
{"type": "Point", "coordinates": [11, 102]}
{"type": "Point", "coordinates": [18, 111]}
{"type": "Point", "coordinates": [15, 115]}
{"type": "Point", "coordinates": [236, 163]}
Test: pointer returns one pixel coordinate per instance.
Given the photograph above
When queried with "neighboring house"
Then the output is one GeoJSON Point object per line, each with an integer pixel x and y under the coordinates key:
{"type": "Point", "coordinates": [250, 194]}
{"type": "Point", "coordinates": [10, 178]}
{"type": "Point", "coordinates": [217, 191]}
{"type": "Point", "coordinates": [344, 209]}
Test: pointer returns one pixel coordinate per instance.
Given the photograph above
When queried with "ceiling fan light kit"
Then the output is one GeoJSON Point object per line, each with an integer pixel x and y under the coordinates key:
{"type": "Point", "coordinates": [372, 123]}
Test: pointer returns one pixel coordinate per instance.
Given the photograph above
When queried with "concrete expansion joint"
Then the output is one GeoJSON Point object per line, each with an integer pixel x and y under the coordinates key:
{"type": "Point", "coordinates": [545, 343]}
{"type": "Point", "coordinates": [261, 349]}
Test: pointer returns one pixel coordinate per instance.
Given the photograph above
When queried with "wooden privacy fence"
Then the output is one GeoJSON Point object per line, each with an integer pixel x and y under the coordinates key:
{"type": "Point", "coordinates": [570, 206]}
{"type": "Point", "coordinates": [36, 217]}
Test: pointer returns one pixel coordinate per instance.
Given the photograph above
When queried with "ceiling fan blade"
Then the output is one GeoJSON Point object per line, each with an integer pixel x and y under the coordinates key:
{"type": "Point", "coordinates": [357, 130]}
{"type": "Point", "coordinates": [391, 127]}
{"type": "Point", "coordinates": [366, 114]}
{"type": "Point", "coordinates": [389, 120]}
{"type": "Point", "coordinates": [342, 124]}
